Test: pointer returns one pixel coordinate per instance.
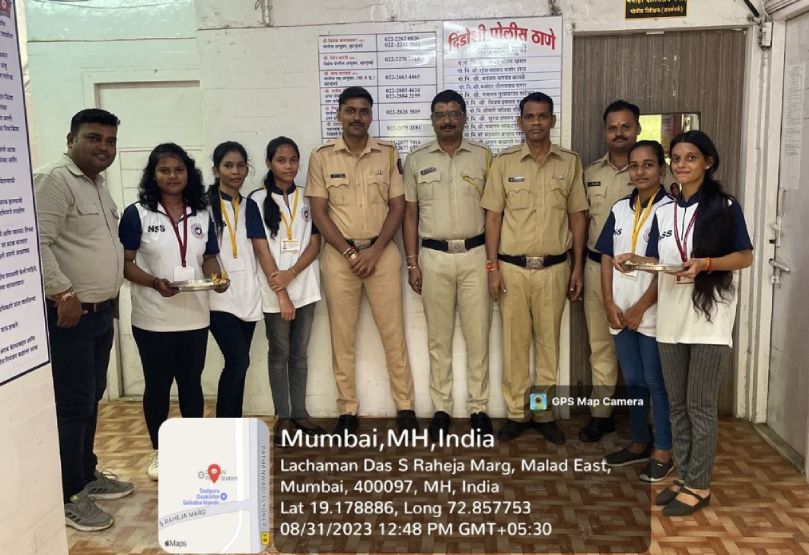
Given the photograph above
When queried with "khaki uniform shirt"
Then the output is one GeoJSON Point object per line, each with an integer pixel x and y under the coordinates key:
{"type": "Point", "coordinates": [78, 233]}
{"type": "Point", "coordinates": [448, 189]}
{"type": "Point", "coordinates": [605, 186]}
{"type": "Point", "coordinates": [358, 188]}
{"type": "Point", "coordinates": [535, 199]}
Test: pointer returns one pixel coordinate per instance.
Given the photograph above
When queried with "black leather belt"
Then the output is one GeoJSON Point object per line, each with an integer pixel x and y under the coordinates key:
{"type": "Point", "coordinates": [534, 262]}
{"type": "Point", "coordinates": [594, 256]}
{"type": "Point", "coordinates": [361, 244]}
{"type": "Point", "coordinates": [454, 246]}
{"type": "Point", "coordinates": [103, 306]}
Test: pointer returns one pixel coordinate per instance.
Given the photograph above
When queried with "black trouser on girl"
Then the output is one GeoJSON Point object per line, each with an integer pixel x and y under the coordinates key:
{"type": "Point", "coordinates": [166, 356]}
{"type": "Point", "coordinates": [693, 375]}
{"type": "Point", "coordinates": [233, 336]}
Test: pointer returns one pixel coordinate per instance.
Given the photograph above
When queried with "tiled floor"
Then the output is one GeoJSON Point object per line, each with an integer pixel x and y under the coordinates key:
{"type": "Point", "coordinates": [760, 504]}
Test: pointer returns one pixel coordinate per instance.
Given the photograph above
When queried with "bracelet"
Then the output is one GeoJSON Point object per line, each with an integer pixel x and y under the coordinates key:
{"type": "Point", "coordinates": [413, 267]}
{"type": "Point", "coordinates": [294, 273]}
{"type": "Point", "coordinates": [155, 282]}
{"type": "Point", "coordinates": [69, 294]}
{"type": "Point", "coordinates": [411, 257]}
{"type": "Point", "coordinates": [708, 267]}
{"type": "Point", "coordinates": [350, 253]}
{"type": "Point", "coordinates": [491, 265]}
{"type": "Point", "coordinates": [344, 254]}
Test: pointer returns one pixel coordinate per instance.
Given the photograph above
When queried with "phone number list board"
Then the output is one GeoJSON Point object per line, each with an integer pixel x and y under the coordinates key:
{"type": "Point", "coordinates": [400, 72]}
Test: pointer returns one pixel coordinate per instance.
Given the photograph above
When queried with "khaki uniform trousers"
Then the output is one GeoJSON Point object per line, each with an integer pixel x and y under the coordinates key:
{"type": "Point", "coordinates": [450, 280]}
{"type": "Point", "coordinates": [602, 346]}
{"type": "Point", "coordinates": [531, 310]}
{"type": "Point", "coordinates": [343, 291]}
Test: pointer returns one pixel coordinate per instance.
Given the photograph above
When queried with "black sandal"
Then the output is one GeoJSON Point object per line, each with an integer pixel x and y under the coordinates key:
{"type": "Point", "coordinates": [667, 495]}
{"type": "Point", "coordinates": [678, 508]}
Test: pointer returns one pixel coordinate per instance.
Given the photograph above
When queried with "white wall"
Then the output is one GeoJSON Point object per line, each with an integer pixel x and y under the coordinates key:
{"type": "Point", "coordinates": [32, 512]}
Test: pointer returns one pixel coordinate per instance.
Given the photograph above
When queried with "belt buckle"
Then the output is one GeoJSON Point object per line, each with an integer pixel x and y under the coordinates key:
{"type": "Point", "coordinates": [362, 244]}
{"type": "Point", "coordinates": [456, 246]}
{"type": "Point", "coordinates": [534, 262]}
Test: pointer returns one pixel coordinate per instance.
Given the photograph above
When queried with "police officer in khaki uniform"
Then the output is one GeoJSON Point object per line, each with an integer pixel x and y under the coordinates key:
{"type": "Point", "coordinates": [607, 181]}
{"type": "Point", "coordinates": [444, 182]}
{"type": "Point", "coordinates": [536, 207]}
{"type": "Point", "coordinates": [354, 185]}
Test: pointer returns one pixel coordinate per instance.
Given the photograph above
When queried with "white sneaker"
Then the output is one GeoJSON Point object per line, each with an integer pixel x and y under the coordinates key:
{"type": "Point", "coordinates": [152, 470]}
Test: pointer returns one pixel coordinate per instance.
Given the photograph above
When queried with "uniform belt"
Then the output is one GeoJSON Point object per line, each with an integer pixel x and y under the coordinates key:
{"type": "Point", "coordinates": [454, 246]}
{"type": "Point", "coordinates": [361, 244]}
{"type": "Point", "coordinates": [594, 256]}
{"type": "Point", "coordinates": [103, 306]}
{"type": "Point", "coordinates": [534, 262]}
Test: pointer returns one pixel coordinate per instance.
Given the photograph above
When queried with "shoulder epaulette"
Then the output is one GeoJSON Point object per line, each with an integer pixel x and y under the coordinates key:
{"type": "Point", "coordinates": [510, 150]}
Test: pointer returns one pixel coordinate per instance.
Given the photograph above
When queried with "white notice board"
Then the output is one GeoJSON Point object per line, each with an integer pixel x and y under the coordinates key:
{"type": "Point", "coordinates": [495, 63]}
{"type": "Point", "coordinates": [398, 69]}
{"type": "Point", "coordinates": [23, 331]}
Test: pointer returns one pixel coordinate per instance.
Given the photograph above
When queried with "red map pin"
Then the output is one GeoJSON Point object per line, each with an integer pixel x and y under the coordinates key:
{"type": "Point", "coordinates": [213, 472]}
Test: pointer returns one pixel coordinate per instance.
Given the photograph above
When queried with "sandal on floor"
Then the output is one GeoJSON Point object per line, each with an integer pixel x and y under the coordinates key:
{"type": "Point", "coordinates": [667, 495]}
{"type": "Point", "coordinates": [678, 508]}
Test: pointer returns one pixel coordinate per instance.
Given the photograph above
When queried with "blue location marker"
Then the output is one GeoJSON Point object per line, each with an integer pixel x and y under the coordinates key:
{"type": "Point", "coordinates": [223, 496]}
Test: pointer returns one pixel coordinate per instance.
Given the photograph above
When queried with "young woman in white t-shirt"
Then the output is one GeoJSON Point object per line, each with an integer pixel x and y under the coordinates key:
{"type": "Point", "coordinates": [705, 232]}
{"type": "Point", "coordinates": [287, 245]}
{"type": "Point", "coordinates": [233, 314]}
{"type": "Point", "coordinates": [630, 304]}
{"type": "Point", "coordinates": [168, 236]}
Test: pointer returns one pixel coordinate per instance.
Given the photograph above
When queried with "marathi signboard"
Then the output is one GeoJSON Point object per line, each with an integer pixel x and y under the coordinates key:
{"type": "Point", "coordinates": [496, 63]}
{"type": "Point", "coordinates": [644, 9]}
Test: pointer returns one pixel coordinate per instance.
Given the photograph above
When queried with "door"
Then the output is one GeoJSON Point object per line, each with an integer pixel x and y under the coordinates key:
{"type": "Point", "coordinates": [663, 74]}
{"type": "Point", "coordinates": [151, 113]}
{"type": "Point", "coordinates": [787, 411]}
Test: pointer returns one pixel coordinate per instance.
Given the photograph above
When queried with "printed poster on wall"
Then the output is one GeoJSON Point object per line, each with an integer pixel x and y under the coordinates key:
{"type": "Point", "coordinates": [398, 69]}
{"type": "Point", "coordinates": [494, 63]}
{"type": "Point", "coordinates": [23, 332]}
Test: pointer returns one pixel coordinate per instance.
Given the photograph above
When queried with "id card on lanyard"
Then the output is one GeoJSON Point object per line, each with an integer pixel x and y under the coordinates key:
{"type": "Point", "coordinates": [183, 272]}
{"type": "Point", "coordinates": [682, 243]}
{"type": "Point", "coordinates": [236, 264]}
{"type": "Point", "coordinates": [290, 244]}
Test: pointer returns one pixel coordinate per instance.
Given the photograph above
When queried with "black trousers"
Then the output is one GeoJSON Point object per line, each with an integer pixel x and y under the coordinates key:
{"type": "Point", "coordinates": [79, 359]}
{"type": "Point", "coordinates": [233, 336]}
{"type": "Point", "coordinates": [167, 356]}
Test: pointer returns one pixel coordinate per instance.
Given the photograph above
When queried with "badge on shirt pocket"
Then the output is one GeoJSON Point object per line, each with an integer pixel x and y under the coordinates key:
{"type": "Point", "coordinates": [236, 265]}
{"type": "Point", "coordinates": [183, 273]}
{"type": "Point", "coordinates": [290, 245]}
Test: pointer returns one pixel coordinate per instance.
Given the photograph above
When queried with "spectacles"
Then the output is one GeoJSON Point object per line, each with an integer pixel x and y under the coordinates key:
{"type": "Point", "coordinates": [450, 115]}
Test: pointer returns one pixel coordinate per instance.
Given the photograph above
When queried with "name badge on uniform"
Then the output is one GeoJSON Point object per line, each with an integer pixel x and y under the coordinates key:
{"type": "Point", "coordinates": [290, 245]}
{"type": "Point", "coordinates": [183, 273]}
{"type": "Point", "coordinates": [337, 176]}
{"type": "Point", "coordinates": [594, 184]}
{"type": "Point", "coordinates": [516, 179]}
{"type": "Point", "coordinates": [236, 264]}
{"type": "Point", "coordinates": [425, 171]}
{"type": "Point", "coordinates": [683, 280]}
{"type": "Point", "coordinates": [629, 275]}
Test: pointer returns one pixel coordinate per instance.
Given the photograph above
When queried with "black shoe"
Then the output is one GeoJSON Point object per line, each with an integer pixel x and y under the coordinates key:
{"type": "Point", "coordinates": [347, 424]}
{"type": "Point", "coordinates": [625, 457]}
{"type": "Point", "coordinates": [667, 495]}
{"type": "Point", "coordinates": [308, 427]}
{"type": "Point", "coordinates": [678, 508]}
{"type": "Point", "coordinates": [596, 428]}
{"type": "Point", "coordinates": [512, 430]}
{"type": "Point", "coordinates": [439, 425]}
{"type": "Point", "coordinates": [406, 421]}
{"type": "Point", "coordinates": [656, 471]}
{"type": "Point", "coordinates": [551, 431]}
{"type": "Point", "coordinates": [481, 424]}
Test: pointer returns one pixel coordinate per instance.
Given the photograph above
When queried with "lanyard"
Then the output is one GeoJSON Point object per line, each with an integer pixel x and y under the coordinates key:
{"type": "Point", "coordinates": [292, 215]}
{"type": "Point", "coordinates": [638, 222]}
{"type": "Point", "coordinates": [682, 244]}
{"type": "Point", "coordinates": [231, 228]}
{"type": "Point", "coordinates": [183, 244]}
